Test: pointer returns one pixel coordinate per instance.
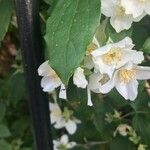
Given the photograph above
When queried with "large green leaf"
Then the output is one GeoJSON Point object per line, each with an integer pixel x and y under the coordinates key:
{"type": "Point", "coordinates": [69, 31]}
{"type": "Point", "coordinates": [6, 8]}
{"type": "Point", "coordinates": [141, 124]}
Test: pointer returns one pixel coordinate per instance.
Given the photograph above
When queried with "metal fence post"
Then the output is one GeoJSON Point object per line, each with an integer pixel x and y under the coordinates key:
{"type": "Point", "coordinates": [32, 53]}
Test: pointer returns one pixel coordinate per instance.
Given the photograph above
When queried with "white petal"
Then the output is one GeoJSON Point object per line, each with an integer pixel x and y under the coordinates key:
{"type": "Point", "coordinates": [89, 102]}
{"type": "Point", "coordinates": [125, 43]}
{"type": "Point", "coordinates": [60, 124]}
{"type": "Point", "coordinates": [128, 90]}
{"type": "Point", "coordinates": [71, 127]}
{"type": "Point", "coordinates": [94, 83]}
{"type": "Point", "coordinates": [108, 86]}
{"type": "Point", "coordinates": [108, 7]}
{"type": "Point", "coordinates": [137, 19]}
{"type": "Point", "coordinates": [133, 56]}
{"type": "Point", "coordinates": [49, 84]}
{"type": "Point", "coordinates": [121, 23]}
{"type": "Point", "coordinates": [45, 69]}
{"type": "Point", "coordinates": [63, 92]}
{"type": "Point", "coordinates": [142, 73]}
{"type": "Point", "coordinates": [79, 78]}
{"type": "Point", "coordinates": [102, 50]}
{"type": "Point", "coordinates": [133, 7]}
{"type": "Point", "coordinates": [64, 139]}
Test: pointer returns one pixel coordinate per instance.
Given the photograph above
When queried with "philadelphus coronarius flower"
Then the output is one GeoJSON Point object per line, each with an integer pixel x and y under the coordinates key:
{"type": "Point", "coordinates": [63, 119]}
{"type": "Point", "coordinates": [115, 65]}
{"type": "Point", "coordinates": [63, 143]}
{"type": "Point", "coordinates": [113, 56]}
{"type": "Point", "coordinates": [51, 81]}
{"type": "Point", "coordinates": [125, 80]}
{"type": "Point", "coordinates": [120, 18]}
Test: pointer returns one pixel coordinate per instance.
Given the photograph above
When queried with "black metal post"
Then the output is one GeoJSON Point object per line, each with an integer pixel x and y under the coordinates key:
{"type": "Point", "coordinates": [32, 53]}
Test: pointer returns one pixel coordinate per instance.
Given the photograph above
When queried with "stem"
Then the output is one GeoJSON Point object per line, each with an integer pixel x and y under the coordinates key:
{"type": "Point", "coordinates": [91, 144]}
{"type": "Point", "coordinates": [133, 113]}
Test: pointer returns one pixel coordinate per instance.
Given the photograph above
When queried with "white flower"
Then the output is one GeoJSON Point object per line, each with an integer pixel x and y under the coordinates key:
{"type": "Point", "coordinates": [117, 13]}
{"type": "Point", "coordinates": [63, 143]}
{"type": "Point", "coordinates": [123, 129]}
{"type": "Point", "coordinates": [136, 7]}
{"type": "Point", "coordinates": [125, 80]}
{"type": "Point", "coordinates": [79, 78]}
{"type": "Point", "coordinates": [63, 119]}
{"type": "Point", "coordinates": [50, 80]}
{"type": "Point", "coordinates": [113, 56]}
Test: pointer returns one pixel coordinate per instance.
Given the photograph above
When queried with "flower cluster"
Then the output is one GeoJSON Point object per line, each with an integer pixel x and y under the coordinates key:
{"type": "Point", "coordinates": [123, 12]}
{"type": "Point", "coordinates": [114, 65]}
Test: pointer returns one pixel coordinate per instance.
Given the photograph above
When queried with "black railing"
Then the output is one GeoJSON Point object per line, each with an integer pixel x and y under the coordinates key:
{"type": "Point", "coordinates": [33, 55]}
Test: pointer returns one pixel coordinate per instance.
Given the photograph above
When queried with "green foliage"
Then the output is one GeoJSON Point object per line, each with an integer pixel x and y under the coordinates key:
{"type": "Point", "coordinates": [6, 9]}
{"type": "Point", "coordinates": [70, 26]}
{"type": "Point", "coordinates": [70, 29]}
{"type": "Point", "coordinates": [146, 46]}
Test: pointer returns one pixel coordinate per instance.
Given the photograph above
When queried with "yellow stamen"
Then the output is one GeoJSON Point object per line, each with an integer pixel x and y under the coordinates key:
{"type": "Point", "coordinates": [126, 75]}
{"type": "Point", "coordinates": [120, 11]}
{"type": "Point", "coordinates": [113, 56]}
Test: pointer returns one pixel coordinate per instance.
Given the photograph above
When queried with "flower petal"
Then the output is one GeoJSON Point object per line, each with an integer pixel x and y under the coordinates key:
{"type": "Point", "coordinates": [133, 7]}
{"type": "Point", "coordinates": [63, 92]}
{"type": "Point", "coordinates": [71, 126]}
{"type": "Point", "coordinates": [79, 78]}
{"type": "Point", "coordinates": [45, 69]}
{"type": "Point", "coordinates": [133, 56]}
{"type": "Point", "coordinates": [64, 139]}
{"type": "Point", "coordinates": [89, 102]}
{"type": "Point", "coordinates": [108, 86]}
{"type": "Point", "coordinates": [128, 90]}
{"type": "Point", "coordinates": [49, 84]}
{"type": "Point", "coordinates": [142, 73]}
{"type": "Point", "coordinates": [108, 7]}
{"type": "Point", "coordinates": [121, 23]}
{"type": "Point", "coordinates": [60, 124]}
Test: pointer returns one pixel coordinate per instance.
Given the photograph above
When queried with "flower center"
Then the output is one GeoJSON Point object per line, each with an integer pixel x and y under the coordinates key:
{"type": "Point", "coordinates": [113, 56]}
{"type": "Point", "coordinates": [67, 114]}
{"type": "Point", "coordinates": [126, 75]}
{"type": "Point", "coordinates": [62, 147]}
{"type": "Point", "coordinates": [120, 11]}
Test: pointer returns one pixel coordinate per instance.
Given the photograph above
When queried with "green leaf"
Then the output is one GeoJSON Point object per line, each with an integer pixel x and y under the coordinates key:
{"type": "Point", "coordinates": [6, 8]}
{"type": "Point", "coordinates": [141, 124]}
{"type": "Point", "coordinates": [4, 145]}
{"type": "Point", "coordinates": [2, 110]}
{"type": "Point", "coordinates": [4, 131]}
{"type": "Point", "coordinates": [146, 46]}
{"type": "Point", "coordinates": [14, 88]}
{"type": "Point", "coordinates": [69, 31]}
{"type": "Point", "coordinates": [122, 143]}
